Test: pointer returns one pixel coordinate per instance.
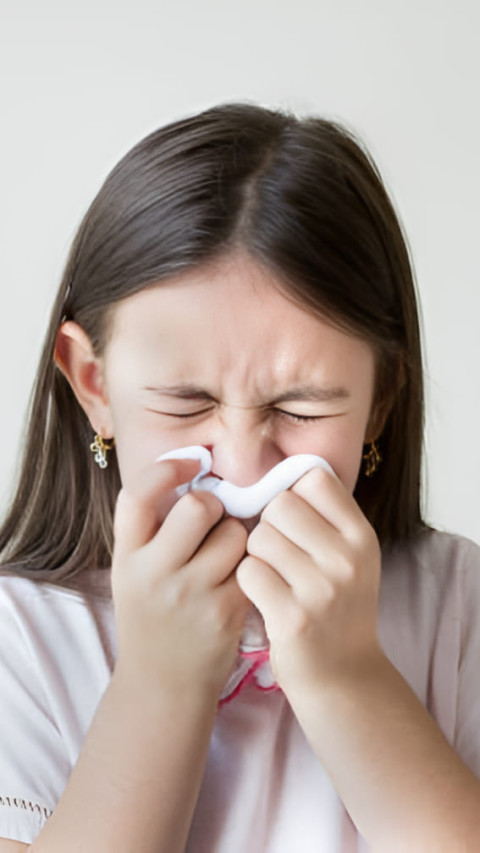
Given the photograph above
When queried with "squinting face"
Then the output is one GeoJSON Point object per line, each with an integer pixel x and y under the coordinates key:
{"type": "Point", "coordinates": [219, 357]}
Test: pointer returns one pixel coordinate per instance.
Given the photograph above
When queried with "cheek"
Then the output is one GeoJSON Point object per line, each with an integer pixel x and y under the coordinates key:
{"type": "Point", "coordinates": [139, 439]}
{"type": "Point", "coordinates": [133, 455]}
{"type": "Point", "coordinates": [339, 441]}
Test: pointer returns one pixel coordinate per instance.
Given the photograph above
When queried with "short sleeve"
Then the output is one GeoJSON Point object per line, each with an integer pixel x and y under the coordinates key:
{"type": "Point", "coordinates": [467, 729]}
{"type": "Point", "coordinates": [34, 767]}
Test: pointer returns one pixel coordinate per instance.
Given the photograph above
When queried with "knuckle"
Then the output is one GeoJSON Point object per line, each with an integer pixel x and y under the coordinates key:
{"type": "Point", "coordinates": [366, 534]}
{"type": "Point", "coordinates": [299, 620]}
{"type": "Point", "coordinates": [218, 615]}
{"type": "Point", "coordinates": [349, 566]}
{"type": "Point", "coordinates": [176, 593]}
{"type": "Point", "coordinates": [329, 593]}
{"type": "Point", "coordinates": [366, 542]}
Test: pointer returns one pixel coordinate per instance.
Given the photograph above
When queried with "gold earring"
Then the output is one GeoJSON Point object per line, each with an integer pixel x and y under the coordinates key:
{"type": "Point", "coordinates": [100, 447]}
{"type": "Point", "coordinates": [372, 460]}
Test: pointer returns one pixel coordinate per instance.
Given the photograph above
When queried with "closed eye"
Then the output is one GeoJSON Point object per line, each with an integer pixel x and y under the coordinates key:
{"type": "Point", "coordinates": [183, 414]}
{"type": "Point", "coordinates": [290, 416]}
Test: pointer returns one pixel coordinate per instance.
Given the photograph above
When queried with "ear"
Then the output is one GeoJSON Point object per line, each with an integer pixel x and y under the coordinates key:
{"type": "Point", "coordinates": [83, 370]}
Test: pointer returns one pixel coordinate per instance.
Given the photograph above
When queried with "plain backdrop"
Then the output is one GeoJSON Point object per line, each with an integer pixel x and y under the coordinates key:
{"type": "Point", "coordinates": [81, 83]}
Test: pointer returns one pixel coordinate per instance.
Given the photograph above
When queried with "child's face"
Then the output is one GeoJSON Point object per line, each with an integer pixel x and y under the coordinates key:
{"type": "Point", "coordinates": [218, 357]}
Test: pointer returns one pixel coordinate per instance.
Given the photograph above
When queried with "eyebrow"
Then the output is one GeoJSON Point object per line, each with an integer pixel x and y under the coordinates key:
{"type": "Point", "coordinates": [307, 393]}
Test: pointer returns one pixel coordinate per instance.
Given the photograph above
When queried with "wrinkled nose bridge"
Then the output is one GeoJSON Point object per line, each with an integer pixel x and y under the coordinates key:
{"type": "Point", "coordinates": [241, 423]}
{"type": "Point", "coordinates": [242, 448]}
{"type": "Point", "coordinates": [242, 408]}
{"type": "Point", "coordinates": [239, 418]}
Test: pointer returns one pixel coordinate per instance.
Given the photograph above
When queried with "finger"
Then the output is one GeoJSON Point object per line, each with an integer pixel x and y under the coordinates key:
{"type": "Point", "coordinates": [142, 506]}
{"type": "Point", "coordinates": [299, 522]}
{"type": "Point", "coordinates": [234, 602]}
{"type": "Point", "coordinates": [184, 529]}
{"type": "Point", "coordinates": [265, 589]}
{"type": "Point", "coordinates": [329, 497]}
{"type": "Point", "coordinates": [218, 555]}
{"type": "Point", "coordinates": [270, 545]}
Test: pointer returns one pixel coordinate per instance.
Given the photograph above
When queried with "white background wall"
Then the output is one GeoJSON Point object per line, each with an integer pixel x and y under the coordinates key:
{"type": "Point", "coordinates": [81, 82]}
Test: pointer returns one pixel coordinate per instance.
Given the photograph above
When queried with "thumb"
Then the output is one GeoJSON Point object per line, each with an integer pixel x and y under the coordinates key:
{"type": "Point", "coordinates": [142, 506]}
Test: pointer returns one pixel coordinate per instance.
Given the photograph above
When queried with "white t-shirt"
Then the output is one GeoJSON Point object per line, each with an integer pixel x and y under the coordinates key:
{"type": "Point", "coordinates": [263, 789]}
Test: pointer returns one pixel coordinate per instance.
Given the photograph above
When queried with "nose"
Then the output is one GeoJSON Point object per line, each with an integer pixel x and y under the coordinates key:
{"type": "Point", "coordinates": [243, 455]}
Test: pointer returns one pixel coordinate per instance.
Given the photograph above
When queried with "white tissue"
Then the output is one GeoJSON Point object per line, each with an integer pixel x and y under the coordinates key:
{"type": "Point", "coordinates": [246, 501]}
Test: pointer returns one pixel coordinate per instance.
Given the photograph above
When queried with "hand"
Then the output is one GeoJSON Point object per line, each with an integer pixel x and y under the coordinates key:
{"type": "Point", "coordinates": [313, 571]}
{"type": "Point", "coordinates": [179, 610]}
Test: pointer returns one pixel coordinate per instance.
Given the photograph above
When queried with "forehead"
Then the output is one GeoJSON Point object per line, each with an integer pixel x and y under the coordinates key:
{"type": "Point", "coordinates": [230, 321]}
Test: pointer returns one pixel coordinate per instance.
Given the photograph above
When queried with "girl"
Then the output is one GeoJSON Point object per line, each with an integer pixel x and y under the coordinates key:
{"type": "Point", "coordinates": [241, 283]}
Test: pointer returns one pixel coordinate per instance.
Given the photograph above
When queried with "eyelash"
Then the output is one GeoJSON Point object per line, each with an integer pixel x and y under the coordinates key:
{"type": "Point", "coordinates": [290, 416]}
{"type": "Point", "coordinates": [298, 418]}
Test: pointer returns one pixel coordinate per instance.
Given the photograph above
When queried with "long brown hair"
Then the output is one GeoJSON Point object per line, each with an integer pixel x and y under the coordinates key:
{"type": "Point", "coordinates": [304, 198]}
